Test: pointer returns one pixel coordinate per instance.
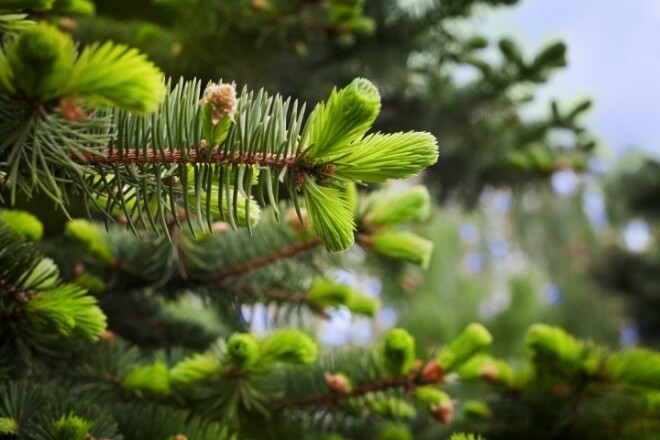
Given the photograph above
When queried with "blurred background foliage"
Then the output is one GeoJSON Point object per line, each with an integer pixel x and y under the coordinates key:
{"type": "Point", "coordinates": [525, 230]}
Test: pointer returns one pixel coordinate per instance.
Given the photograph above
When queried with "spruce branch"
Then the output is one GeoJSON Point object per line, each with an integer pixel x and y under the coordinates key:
{"type": "Point", "coordinates": [409, 383]}
{"type": "Point", "coordinates": [259, 262]}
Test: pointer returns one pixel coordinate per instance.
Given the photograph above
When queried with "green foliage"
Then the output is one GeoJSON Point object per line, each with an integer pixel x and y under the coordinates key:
{"type": "Point", "coordinates": [287, 346]}
{"type": "Point", "coordinates": [193, 369]}
{"type": "Point", "coordinates": [394, 431]}
{"type": "Point", "coordinates": [472, 340]}
{"type": "Point", "coordinates": [391, 207]}
{"type": "Point", "coordinates": [116, 75]}
{"type": "Point", "coordinates": [71, 427]}
{"type": "Point", "coordinates": [328, 294]}
{"type": "Point", "coordinates": [144, 380]}
{"type": "Point", "coordinates": [242, 350]}
{"type": "Point", "coordinates": [23, 223]}
{"type": "Point", "coordinates": [8, 425]}
{"type": "Point", "coordinates": [399, 351]}
{"type": "Point", "coordinates": [91, 237]}
{"type": "Point", "coordinates": [344, 118]}
{"type": "Point", "coordinates": [404, 246]}
{"type": "Point", "coordinates": [636, 368]}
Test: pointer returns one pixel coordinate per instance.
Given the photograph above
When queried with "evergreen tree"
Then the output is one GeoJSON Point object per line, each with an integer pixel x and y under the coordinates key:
{"type": "Point", "coordinates": [229, 206]}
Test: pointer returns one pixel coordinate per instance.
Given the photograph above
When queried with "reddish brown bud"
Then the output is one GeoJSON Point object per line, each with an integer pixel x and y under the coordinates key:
{"type": "Point", "coordinates": [107, 337]}
{"type": "Point", "coordinates": [70, 110]}
{"type": "Point", "coordinates": [489, 373]}
{"type": "Point", "coordinates": [432, 372]}
{"type": "Point", "coordinates": [443, 411]}
{"type": "Point", "coordinates": [338, 383]}
{"type": "Point", "coordinates": [294, 221]}
{"type": "Point", "coordinates": [78, 269]}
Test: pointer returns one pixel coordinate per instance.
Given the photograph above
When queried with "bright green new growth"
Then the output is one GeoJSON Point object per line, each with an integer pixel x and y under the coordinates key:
{"type": "Point", "coordinates": [195, 368]}
{"type": "Point", "coordinates": [637, 367]}
{"type": "Point", "coordinates": [8, 425]}
{"type": "Point", "coordinates": [35, 5]}
{"type": "Point", "coordinates": [90, 236]}
{"type": "Point", "coordinates": [471, 341]}
{"type": "Point", "coordinates": [430, 395]}
{"type": "Point", "coordinates": [390, 207]}
{"type": "Point", "coordinates": [23, 223]}
{"type": "Point", "coordinates": [403, 245]}
{"type": "Point", "coordinates": [331, 215]}
{"type": "Point", "coordinates": [67, 310]}
{"type": "Point", "coordinates": [71, 427]}
{"type": "Point", "coordinates": [116, 75]}
{"type": "Point", "coordinates": [477, 409]}
{"type": "Point", "coordinates": [74, 7]}
{"type": "Point", "coordinates": [41, 64]}
{"type": "Point", "coordinates": [325, 293]}
{"type": "Point", "coordinates": [344, 118]}
{"type": "Point", "coordinates": [379, 157]}
{"type": "Point", "coordinates": [394, 431]}
{"type": "Point", "coordinates": [242, 350]}
{"type": "Point", "coordinates": [37, 63]}
{"type": "Point", "coordinates": [91, 283]}
{"type": "Point", "coordinates": [399, 351]}
{"type": "Point", "coordinates": [391, 407]}
{"type": "Point", "coordinates": [148, 380]}
{"type": "Point", "coordinates": [553, 346]}
{"type": "Point", "coordinates": [288, 346]}
{"type": "Point", "coordinates": [465, 436]}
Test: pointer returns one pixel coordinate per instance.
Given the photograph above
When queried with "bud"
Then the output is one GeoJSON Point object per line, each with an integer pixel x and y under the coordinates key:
{"type": "Point", "coordinates": [71, 427]}
{"type": "Point", "coordinates": [8, 426]}
{"type": "Point", "coordinates": [196, 368]}
{"type": "Point", "coordinates": [432, 372]}
{"type": "Point", "coordinates": [71, 110]}
{"type": "Point", "coordinates": [489, 372]}
{"type": "Point", "coordinates": [443, 412]}
{"type": "Point", "coordinates": [295, 221]}
{"type": "Point", "coordinates": [344, 118]}
{"type": "Point", "coordinates": [399, 351]}
{"type": "Point", "coordinates": [23, 223]}
{"type": "Point", "coordinates": [430, 395]}
{"type": "Point", "coordinates": [338, 383]}
{"type": "Point", "coordinates": [472, 340]}
{"type": "Point", "coordinates": [288, 346]}
{"type": "Point", "coordinates": [477, 409]}
{"type": "Point", "coordinates": [108, 337]}
{"type": "Point", "coordinates": [148, 380]}
{"type": "Point", "coordinates": [394, 431]}
{"type": "Point", "coordinates": [242, 350]}
{"type": "Point", "coordinates": [387, 207]}
{"type": "Point", "coordinates": [404, 246]}
{"type": "Point", "coordinates": [90, 236]}
{"type": "Point", "coordinates": [40, 61]}
{"type": "Point", "coordinates": [222, 101]}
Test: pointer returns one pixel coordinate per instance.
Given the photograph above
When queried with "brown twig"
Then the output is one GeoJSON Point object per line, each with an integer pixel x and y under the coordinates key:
{"type": "Point", "coordinates": [265, 260]}
{"type": "Point", "coordinates": [281, 295]}
{"type": "Point", "coordinates": [409, 382]}
{"type": "Point", "coordinates": [111, 156]}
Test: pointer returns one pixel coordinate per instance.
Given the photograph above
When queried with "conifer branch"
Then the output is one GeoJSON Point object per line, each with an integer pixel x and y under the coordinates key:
{"type": "Point", "coordinates": [265, 260]}
{"type": "Point", "coordinates": [409, 383]}
{"type": "Point", "coordinates": [281, 295]}
{"type": "Point", "coordinates": [111, 156]}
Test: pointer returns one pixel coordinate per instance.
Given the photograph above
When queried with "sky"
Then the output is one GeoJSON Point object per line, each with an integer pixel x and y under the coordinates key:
{"type": "Point", "coordinates": [614, 58]}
